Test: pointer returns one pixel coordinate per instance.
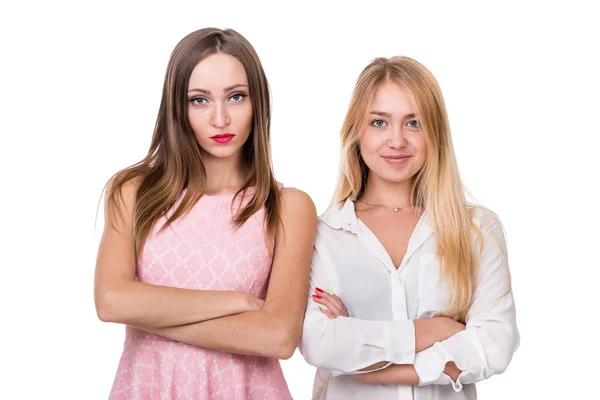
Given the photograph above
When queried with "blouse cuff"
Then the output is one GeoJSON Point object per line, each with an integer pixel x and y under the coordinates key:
{"type": "Point", "coordinates": [430, 363]}
{"type": "Point", "coordinates": [396, 343]}
{"type": "Point", "coordinates": [401, 338]}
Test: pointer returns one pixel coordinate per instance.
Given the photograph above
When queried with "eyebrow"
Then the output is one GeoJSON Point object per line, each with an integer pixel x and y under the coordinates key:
{"type": "Point", "coordinates": [227, 89]}
{"type": "Point", "coordinates": [388, 115]}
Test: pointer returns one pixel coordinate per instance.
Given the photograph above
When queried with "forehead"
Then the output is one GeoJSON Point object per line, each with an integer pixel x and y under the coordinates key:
{"type": "Point", "coordinates": [393, 99]}
{"type": "Point", "coordinates": [217, 72]}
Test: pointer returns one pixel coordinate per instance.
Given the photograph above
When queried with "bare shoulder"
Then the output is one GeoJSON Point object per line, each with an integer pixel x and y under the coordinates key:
{"type": "Point", "coordinates": [127, 192]}
{"type": "Point", "coordinates": [120, 205]}
{"type": "Point", "coordinates": [293, 199]}
{"type": "Point", "coordinates": [298, 212]}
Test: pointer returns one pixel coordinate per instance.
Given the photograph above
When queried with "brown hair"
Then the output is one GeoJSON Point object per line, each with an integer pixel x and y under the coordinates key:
{"type": "Point", "coordinates": [174, 160]}
{"type": "Point", "coordinates": [437, 186]}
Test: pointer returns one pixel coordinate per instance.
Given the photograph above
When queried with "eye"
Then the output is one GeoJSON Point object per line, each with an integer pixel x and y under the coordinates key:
{"type": "Point", "coordinates": [237, 97]}
{"type": "Point", "coordinates": [379, 123]}
{"type": "Point", "coordinates": [198, 101]}
{"type": "Point", "coordinates": [413, 124]}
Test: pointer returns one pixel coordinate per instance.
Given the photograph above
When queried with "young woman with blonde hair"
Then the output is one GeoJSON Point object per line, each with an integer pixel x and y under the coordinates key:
{"type": "Point", "coordinates": [204, 256]}
{"type": "Point", "coordinates": [410, 283]}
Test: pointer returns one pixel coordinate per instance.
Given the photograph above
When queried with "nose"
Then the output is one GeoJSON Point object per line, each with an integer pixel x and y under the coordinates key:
{"type": "Point", "coordinates": [397, 138]}
{"type": "Point", "coordinates": [220, 116]}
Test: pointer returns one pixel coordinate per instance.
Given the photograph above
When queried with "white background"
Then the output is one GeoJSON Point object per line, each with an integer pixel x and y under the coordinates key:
{"type": "Point", "coordinates": [81, 85]}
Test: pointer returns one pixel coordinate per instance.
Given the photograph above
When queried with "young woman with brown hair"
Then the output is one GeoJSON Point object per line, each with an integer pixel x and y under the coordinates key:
{"type": "Point", "coordinates": [204, 256]}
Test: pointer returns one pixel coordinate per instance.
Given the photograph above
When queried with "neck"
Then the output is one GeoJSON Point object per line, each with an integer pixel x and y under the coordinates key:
{"type": "Point", "coordinates": [224, 175]}
{"type": "Point", "coordinates": [385, 193]}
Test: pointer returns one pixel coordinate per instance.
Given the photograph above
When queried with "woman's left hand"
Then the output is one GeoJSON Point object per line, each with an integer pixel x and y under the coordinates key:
{"type": "Point", "coordinates": [330, 304]}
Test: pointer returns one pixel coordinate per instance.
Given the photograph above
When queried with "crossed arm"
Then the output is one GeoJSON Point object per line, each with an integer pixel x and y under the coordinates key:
{"type": "Point", "coordinates": [424, 351]}
{"type": "Point", "coordinates": [211, 319]}
{"type": "Point", "coordinates": [427, 332]}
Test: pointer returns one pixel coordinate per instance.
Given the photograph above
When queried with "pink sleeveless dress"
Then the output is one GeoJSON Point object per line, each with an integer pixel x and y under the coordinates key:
{"type": "Point", "coordinates": [201, 250]}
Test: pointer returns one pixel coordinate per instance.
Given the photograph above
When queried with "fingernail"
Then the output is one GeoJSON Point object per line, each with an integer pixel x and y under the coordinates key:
{"type": "Point", "coordinates": [319, 290]}
{"type": "Point", "coordinates": [322, 307]}
{"type": "Point", "coordinates": [316, 297]}
{"type": "Point", "coordinates": [328, 291]}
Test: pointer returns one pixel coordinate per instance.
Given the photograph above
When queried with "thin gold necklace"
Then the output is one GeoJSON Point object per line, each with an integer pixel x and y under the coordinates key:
{"type": "Point", "coordinates": [396, 209]}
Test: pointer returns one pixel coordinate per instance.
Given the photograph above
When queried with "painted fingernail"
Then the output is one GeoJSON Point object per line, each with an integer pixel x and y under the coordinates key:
{"type": "Point", "coordinates": [328, 291]}
{"type": "Point", "coordinates": [316, 297]}
{"type": "Point", "coordinates": [322, 307]}
{"type": "Point", "coordinates": [319, 290]}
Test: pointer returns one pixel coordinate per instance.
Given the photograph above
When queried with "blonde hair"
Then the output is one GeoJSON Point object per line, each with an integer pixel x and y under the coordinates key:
{"type": "Point", "coordinates": [437, 186]}
{"type": "Point", "coordinates": [174, 160]}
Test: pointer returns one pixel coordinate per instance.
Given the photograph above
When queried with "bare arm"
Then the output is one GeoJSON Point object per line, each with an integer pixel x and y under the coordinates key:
{"type": "Point", "coordinates": [429, 331]}
{"type": "Point", "coordinates": [121, 298]}
{"type": "Point", "coordinates": [273, 331]}
{"type": "Point", "coordinates": [403, 374]}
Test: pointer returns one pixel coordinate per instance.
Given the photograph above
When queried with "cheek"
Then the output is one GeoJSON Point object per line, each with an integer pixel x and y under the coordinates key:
{"type": "Point", "coordinates": [370, 145]}
{"type": "Point", "coordinates": [243, 118]}
{"type": "Point", "coordinates": [198, 121]}
{"type": "Point", "coordinates": [420, 146]}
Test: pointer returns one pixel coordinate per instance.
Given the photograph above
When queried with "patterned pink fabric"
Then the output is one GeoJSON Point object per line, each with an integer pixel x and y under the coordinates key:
{"type": "Point", "coordinates": [200, 251]}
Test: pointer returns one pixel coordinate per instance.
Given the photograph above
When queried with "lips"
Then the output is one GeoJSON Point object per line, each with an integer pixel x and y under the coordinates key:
{"type": "Point", "coordinates": [396, 159]}
{"type": "Point", "coordinates": [222, 137]}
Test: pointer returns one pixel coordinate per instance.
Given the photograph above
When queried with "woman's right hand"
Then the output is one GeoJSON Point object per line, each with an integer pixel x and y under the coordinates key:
{"type": "Point", "coordinates": [329, 304]}
{"type": "Point", "coordinates": [432, 330]}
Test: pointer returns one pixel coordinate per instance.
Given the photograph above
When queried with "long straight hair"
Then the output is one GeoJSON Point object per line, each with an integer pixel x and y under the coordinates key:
{"type": "Point", "coordinates": [437, 186]}
{"type": "Point", "coordinates": [174, 160]}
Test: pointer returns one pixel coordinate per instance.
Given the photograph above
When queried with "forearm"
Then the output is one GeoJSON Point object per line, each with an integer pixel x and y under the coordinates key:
{"type": "Point", "coordinates": [397, 374]}
{"type": "Point", "coordinates": [150, 306]}
{"type": "Point", "coordinates": [273, 330]}
{"type": "Point", "coordinates": [375, 366]}
{"type": "Point", "coordinates": [402, 375]}
{"type": "Point", "coordinates": [452, 370]}
{"type": "Point", "coordinates": [253, 333]}
{"type": "Point", "coordinates": [429, 331]}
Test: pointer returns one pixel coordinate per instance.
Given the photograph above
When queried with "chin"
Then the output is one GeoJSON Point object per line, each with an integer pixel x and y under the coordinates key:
{"type": "Point", "coordinates": [221, 151]}
{"type": "Point", "coordinates": [222, 154]}
{"type": "Point", "coordinates": [392, 177]}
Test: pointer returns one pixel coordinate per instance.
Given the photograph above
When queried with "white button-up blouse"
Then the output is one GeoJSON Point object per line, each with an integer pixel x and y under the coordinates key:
{"type": "Point", "coordinates": [382, 301]}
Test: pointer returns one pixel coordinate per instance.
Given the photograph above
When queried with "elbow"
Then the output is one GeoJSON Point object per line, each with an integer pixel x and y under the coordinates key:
{"type": "Point", "coordinates": [115, 303]}
{"type": "Point", "coordinates": [287, 343]}
{"type": "Point", "coordinates": [283, 340]}
{"type": "Point", "coordinates": [499, 359]}
{"type": "Point", "coordinates": [286, 352]}
{"type": "Point", "coordinates": [313, 356]}
{"type": "Point", "coordinates": [310, 356]}
{"type": "Point", "coordinates": [106, 309]}
{"type": "Point", "coordinates": [498, 363]}
{"type": "Point", "coordinates": [103, 312]}
{"type": "Point", "coordinates": [315, 352]}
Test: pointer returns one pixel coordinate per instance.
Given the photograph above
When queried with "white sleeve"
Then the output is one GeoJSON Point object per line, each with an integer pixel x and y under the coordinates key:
{"type": "Point", "coordinates": [491, 337]}
{"type": "Point", "coordinates": [344, 345]}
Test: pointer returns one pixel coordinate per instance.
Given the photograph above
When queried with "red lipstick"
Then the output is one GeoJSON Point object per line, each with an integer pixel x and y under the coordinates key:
{"type": "Point", "coordinates": [223, 138]}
